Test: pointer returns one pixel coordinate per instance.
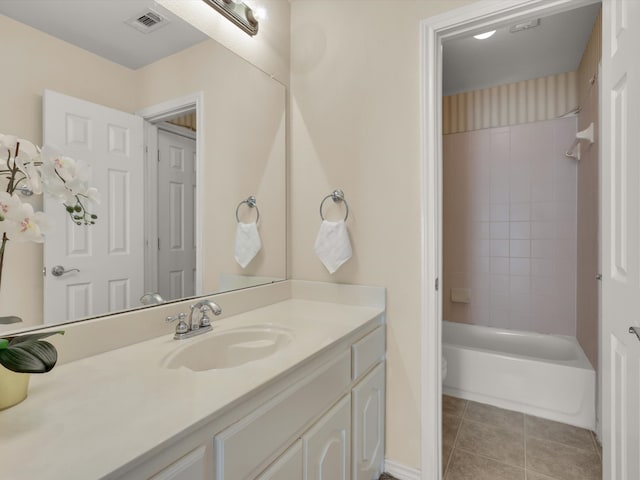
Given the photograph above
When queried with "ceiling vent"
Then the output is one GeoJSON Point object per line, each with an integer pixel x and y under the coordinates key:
{"type": "Point", "coordinates": [147, 21]}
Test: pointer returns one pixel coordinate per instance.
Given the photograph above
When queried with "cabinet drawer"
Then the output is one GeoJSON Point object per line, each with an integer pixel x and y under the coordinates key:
{"type": "Point", "coordinates": [244, 449]}
{"type": "Point", "coordinates": [367, 352]}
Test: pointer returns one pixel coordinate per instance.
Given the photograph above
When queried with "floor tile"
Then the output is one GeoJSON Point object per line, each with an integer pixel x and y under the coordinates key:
{"type": "Point", "coordinates": [559, 432]}
{"type": "Point", "coordinates": [499, 443]}
{"type": "Point", "coordinates": [453, 405]}
{"type": "Point", "coordinates": [561, 461]}
{"type": "Point", "coordinates": [450, 425]}
{"type": "Point", "coordinates": [479, 412]}
{"type": "Point", "coordinates": [537, 476]}
{"type": "Point", "coordinates": [467, 466]}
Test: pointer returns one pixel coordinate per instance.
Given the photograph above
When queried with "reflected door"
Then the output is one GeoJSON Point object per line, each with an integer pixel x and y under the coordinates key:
{"type": "Point", "coordinates": [176, 215]}
{"type": "Point", "coordinates": [109, 254]}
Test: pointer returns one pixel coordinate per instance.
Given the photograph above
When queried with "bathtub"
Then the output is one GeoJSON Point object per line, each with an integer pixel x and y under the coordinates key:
{"type": "Point", "coordinates": [547, 376]}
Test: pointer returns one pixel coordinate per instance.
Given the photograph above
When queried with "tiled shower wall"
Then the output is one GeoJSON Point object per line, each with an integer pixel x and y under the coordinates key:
{"type": "Point", "coordinates": [509, 227]}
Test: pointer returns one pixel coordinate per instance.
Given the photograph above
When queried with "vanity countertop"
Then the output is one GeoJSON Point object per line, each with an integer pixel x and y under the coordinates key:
{"type": "Point", "coordinates": [88, 418]}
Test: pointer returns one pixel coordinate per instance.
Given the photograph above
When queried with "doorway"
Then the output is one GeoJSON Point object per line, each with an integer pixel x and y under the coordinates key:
{"type": "Point", "coordinates": [475, 18]}
{"type": "Point", "coordinates": [174, 153]}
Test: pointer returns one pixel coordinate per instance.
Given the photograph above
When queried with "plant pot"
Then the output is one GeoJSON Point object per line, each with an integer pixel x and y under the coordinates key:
{"type": "Point", "coordinates": [13, 387]}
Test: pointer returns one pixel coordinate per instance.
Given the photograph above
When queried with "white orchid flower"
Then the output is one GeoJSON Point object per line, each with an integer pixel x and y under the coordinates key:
{"type": "Point", "coordinates": [28, 226]}
{"type": "Point", "coordinates": [8, 143]}
{"type": "Point", "coordinates": [9, 208]}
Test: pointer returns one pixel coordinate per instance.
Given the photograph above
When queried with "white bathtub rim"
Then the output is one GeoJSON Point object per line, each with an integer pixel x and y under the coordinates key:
{"type": "Point", "coordinates": [581, 362]}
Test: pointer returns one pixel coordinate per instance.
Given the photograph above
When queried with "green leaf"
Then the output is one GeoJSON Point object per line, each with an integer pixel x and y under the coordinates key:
{"type": "Point", "coordinates": [4, 343]}
{"type": "Point", "coordinates": [29, 356]}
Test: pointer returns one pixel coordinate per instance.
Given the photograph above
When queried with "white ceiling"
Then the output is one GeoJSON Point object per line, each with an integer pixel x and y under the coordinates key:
{"type": "Point", "coordinates": [556, 46]}
{"type": "Point", "coordinates": [98, 26]}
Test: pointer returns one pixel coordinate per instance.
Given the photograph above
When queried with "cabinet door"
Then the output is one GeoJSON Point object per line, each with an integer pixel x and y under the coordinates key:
{"type": "Point", "coordinates": [327, 447]}
{"type": "Point", "coordinates": [189, 467]}
{"type": "Point", "coordinates": [367, 401]}
{"type": "Point", "coordinates": [288, 466]}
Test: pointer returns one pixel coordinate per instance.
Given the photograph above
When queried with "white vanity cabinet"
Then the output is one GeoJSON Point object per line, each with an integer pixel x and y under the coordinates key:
{"type": "Point", "coordinates": [324, 420]}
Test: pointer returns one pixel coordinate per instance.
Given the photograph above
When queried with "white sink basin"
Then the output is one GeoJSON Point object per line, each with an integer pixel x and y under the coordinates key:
{"type": "Point", "coordinates": [229, 348]}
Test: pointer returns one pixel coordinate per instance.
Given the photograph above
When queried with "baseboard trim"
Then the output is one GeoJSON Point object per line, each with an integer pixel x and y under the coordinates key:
{"type": "Point", "coordinates": [401, 472]}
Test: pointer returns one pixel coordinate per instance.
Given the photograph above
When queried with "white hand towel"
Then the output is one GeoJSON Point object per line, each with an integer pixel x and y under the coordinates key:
{"type": "Point", "coordinates": [333, 246]}
{"type": "Point", "coordinates": [248, 243]}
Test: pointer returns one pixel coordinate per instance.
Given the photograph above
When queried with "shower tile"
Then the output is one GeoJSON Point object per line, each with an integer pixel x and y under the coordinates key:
{"type": "Point", "coordinates": [543, 212]}
{"type": "Point", "coordinates": [499, 248]}
{"type": "Point", "coordinates": [559, 432]}
{"type": "Point", "coordinates": [520, 248]}
{"type": "Point", "coordinates": [520, 266]}
{"type": "Point", "coordinates": [500, 212]}
{"type": "Point", "coordinates": [520, 285]}
{"type": "Point", "coordinates": [500, 265]}
{"type": "Point", "coordinates": [561, 461]}
{"type": "Point", "coordinates": [520, 230]}
{"type": "Point", "coordinates": [453, 406]}
{"type": "Point", "coordinates": [543, 230]}
{"type": "Point", "coordinates": [500, 230]}
{"type": "Point", "coordinates": [490, 415]}
{"type": "Point", "coordinates": [466, 466]}
{"type": "Point", "coordinates": [520, 212]}
{"type": "Point", "coordinates": [503, 444]}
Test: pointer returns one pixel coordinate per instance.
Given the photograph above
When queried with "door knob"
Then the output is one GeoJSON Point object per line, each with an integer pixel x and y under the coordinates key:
{"type": "Point", "coordinates": [59, 270]}
{"type": "Point", "coordinates": [635, 331]}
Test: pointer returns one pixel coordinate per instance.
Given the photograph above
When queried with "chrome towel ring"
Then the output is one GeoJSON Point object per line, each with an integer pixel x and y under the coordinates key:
{"type": "Point", "coordinates": [336, 196]}
{"type": "Point", "coordinates": [251, 203]}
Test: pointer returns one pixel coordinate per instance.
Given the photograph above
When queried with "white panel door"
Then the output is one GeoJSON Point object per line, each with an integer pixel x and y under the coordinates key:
{"type": "Point", "coordinates": [176, 215]}
{"type": "Point", "coordinates": [109, 254]}
{"type": "Point", "coordinates": [620, 239]}
{"type": "Point", "coordinates": [327, 449]}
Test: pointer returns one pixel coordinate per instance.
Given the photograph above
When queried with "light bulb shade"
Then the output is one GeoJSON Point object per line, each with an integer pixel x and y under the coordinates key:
{"type": "Point", "coordinates": [237, 12]}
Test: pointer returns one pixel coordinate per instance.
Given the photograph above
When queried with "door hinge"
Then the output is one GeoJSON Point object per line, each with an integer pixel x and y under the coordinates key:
{"type": "Point", "coordinates": [158, 243]}
{"type": "Point", "coordinates": [437, 284]}
{"type": "Point", "coordinates": [158, 156]}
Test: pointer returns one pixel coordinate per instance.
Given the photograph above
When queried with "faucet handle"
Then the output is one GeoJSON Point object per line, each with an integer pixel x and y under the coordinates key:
{"type": "Point", "coordinates": [180, 316]}
{"type": "Point", "coordinates": [182, 326]}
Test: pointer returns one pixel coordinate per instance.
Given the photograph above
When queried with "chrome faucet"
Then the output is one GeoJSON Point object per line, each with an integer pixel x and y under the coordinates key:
{"type": "Point", "coordinates": [202, 306]}
{"type": "Point", "coordinates": [196, 325]}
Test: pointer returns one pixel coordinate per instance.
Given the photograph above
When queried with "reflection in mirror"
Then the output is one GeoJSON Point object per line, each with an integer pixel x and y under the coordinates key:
{"type": "Point", "coordinates": [238, 143]}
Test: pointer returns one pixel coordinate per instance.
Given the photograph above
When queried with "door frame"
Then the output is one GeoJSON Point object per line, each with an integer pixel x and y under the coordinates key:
{"type": "Point", "coordinates": [483, 15]}
{"type": "Point", "coordinates": [154, 115]}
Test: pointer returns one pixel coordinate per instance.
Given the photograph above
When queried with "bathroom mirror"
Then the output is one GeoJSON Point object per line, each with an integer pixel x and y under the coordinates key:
{"type": "Point", "coordinates": [240, 138]}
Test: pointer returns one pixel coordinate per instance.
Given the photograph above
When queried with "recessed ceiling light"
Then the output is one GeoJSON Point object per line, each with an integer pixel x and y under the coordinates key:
{"type": "Point", "coordinates": [485, 35]}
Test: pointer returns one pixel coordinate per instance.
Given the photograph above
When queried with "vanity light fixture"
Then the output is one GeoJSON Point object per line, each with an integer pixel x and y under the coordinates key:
{"type": "Point", "coordinates": [485, 35]}
{"type": "Point", "coordinates": [238, 12]}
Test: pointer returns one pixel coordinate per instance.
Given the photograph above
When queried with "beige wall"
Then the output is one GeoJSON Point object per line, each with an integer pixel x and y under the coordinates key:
{"type": "Point", "coordinates": [35, 61]}
{"type": "Point", "coordinates": [355, 125]}
{"type": "Point", "coordinates": [588, 202]}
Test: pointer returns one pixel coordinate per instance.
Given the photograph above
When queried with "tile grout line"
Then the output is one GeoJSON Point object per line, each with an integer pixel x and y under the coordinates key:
{"type": "Point", "coordinates": [586, 450]}
{"type": "Point", "coordinates": [501, 462]}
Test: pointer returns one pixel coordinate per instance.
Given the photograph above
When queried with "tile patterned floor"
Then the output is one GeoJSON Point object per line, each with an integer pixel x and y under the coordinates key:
{"type": "Point", "coordinates": [481, 442]}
